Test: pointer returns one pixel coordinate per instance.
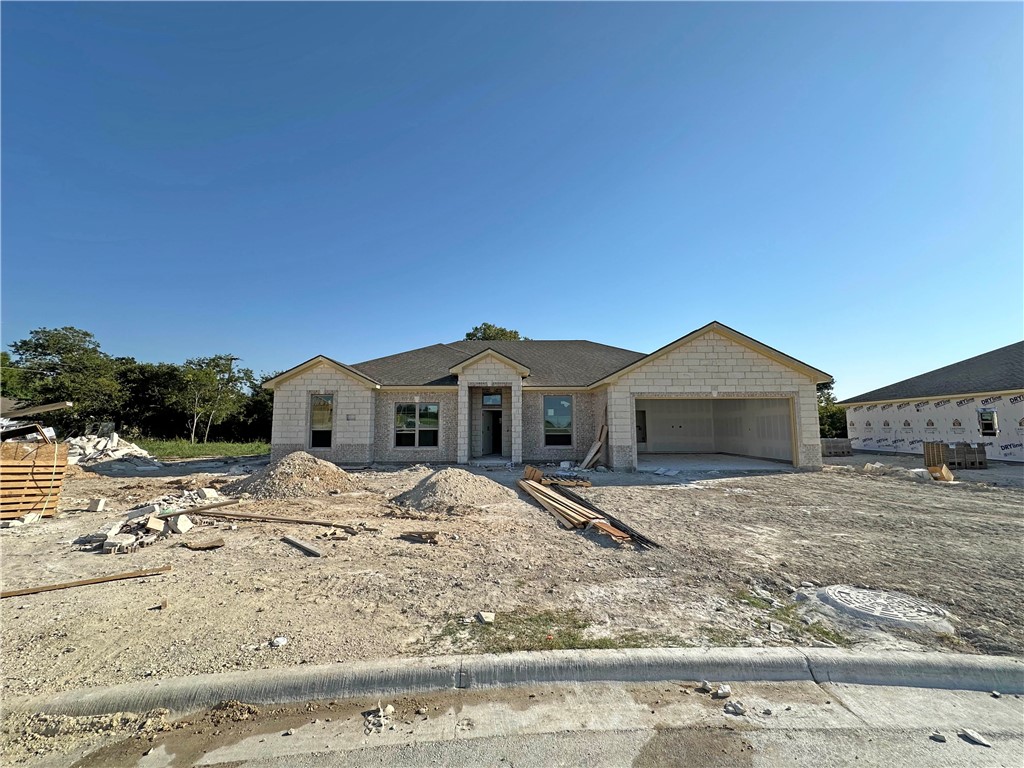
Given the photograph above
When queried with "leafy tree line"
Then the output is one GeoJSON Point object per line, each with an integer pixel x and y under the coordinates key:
{"type": "Point", "coordinates": [202, 399]}
{"type": "Point", "coordinates": [831, 417]}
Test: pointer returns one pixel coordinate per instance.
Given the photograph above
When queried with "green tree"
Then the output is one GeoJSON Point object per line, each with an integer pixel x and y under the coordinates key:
{"type": "Point", "coordinates": [253, 421]}
{"type": "Point", "coordinates": [12, 380]}
{"type": "Point", "coordinates": [489, 332]}
{"type": "Point", "coordinates": [68, 364]}
{"type": "Point", "coordinates": [150, 408]}
{"type": "Point", "coordinates": [831, 417]}
{"type": "Point", "coordinates": [212, 390]}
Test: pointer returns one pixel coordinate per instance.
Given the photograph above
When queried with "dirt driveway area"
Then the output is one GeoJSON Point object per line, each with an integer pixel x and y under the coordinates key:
{"type": "Point", "coordinates": [735, 552]}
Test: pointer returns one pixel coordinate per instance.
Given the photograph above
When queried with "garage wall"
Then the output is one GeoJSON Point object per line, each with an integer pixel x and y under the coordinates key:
{"type": "Point", "coordinates": [754, 428]}
{"type": "Point", "coordinates": [705, 368]}
{"type": "Point", "coordinates": [679, 426]}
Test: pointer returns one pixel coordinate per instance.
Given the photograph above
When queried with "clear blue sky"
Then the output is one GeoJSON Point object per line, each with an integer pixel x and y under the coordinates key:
{"type": "Point", "coordinates": [842, 182]}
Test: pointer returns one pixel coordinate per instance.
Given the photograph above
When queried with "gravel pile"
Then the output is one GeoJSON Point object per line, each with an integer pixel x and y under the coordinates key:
{"type": "Point", "coordinates": [295, 476]}
{"type": "Point", "coordinates": [451, 490]}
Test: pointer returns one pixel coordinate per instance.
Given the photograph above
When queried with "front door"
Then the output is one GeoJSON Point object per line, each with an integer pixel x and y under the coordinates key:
{"type": "Point", "coordinates": [496, 432]}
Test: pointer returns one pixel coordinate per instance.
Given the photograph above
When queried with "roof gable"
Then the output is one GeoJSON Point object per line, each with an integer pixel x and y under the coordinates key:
{"type": "Point", "coordinates": [314, 362]}
{"type": "Point", "coordinates": [479, 357]}
{"type": "Point", "coordinates": [817, 375]}
{"type": "Point", "coordinates": [1000, 370]}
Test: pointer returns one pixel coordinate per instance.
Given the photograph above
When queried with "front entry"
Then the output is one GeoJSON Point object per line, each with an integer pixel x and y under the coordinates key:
{"type": "Point", "coordinates": [492, 433]}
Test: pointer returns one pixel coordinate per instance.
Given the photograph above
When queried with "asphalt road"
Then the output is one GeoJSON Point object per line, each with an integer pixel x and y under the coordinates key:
{"type": "Point", "coordinates": [598, 725]}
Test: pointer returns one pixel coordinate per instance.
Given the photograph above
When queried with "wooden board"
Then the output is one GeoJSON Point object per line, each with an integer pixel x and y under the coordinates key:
{"type": "Point", "coordinates": [85, 582]}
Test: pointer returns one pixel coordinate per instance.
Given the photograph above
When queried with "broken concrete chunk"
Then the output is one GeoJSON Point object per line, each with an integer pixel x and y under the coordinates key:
{"type": "Point", "coordinates": [10, 523]}
{"type": "Point", "coordinates": [775, 628]}
{"type": "Point", "coordinates": [180, 524]}
{"type": "Point", "coordinates": [723, 692]}
{"type": "Point", "coordinates": [938, 737]}
{"type": "Point", "coordinates": [704, 687]}
{"type": "Point", "coordinates": [486, 617]}
{"type": "Point", "coordinates": [735, 708]}
{"type": "Point", "coordinates": [31, 517]}
{"type": "Point", "coordinates": [207, 493]}
{"type": "Point", "coordinates": [97, 505]}
{"type": "Point", "coordinates": [146, 511]}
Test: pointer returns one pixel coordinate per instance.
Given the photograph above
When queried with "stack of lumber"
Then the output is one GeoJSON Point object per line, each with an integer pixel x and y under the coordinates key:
{"type": "Point", "coordinates": [574, 512]}
{"type": "Point", "coordinates": [532, 473]}
{"type": "Point", "coordinates": [31, 477]}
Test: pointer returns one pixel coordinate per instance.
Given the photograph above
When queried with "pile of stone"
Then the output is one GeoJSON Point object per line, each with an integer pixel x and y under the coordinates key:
{"type": "Point", "coordinates": [90, 449]}
{"type": "Point", "coordinates": [147, 523]}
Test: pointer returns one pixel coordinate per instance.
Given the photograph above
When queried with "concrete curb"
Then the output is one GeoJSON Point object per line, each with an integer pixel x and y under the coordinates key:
{"type": "Point", "coordinates": [406, 675]}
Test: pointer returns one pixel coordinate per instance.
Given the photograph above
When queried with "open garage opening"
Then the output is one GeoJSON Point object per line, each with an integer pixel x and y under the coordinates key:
{"type": "Point", "coordinates": [690, 429]}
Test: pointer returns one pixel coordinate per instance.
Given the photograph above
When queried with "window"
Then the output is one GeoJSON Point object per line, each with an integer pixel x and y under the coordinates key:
{"type": "Point", "coordinates": [492, 400]}
{"type": "Point", "coordinates": [417, 425]}
{"type": "Point", "coordinates": [321, 420]}
{"type": "Point", "coordinates": [988, 423]}
{"type": "Point", "coordinates": [558, 420]}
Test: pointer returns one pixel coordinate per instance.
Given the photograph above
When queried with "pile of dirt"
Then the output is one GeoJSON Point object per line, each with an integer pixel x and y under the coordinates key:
{"type": "Point", "coordinates": [453, 490]}
{"type": "Point", "coordinates": [295, 476]}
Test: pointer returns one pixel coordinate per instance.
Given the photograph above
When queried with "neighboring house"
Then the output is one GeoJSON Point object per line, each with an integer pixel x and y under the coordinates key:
{"type": "Point", "coordinates": [713, 390]}
{"type": "Point", "coordinates": [978, 400]}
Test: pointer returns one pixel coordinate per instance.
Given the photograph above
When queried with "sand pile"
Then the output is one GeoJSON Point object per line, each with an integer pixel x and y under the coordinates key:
{"type": "Point", "coordinates": [296, 475]}
{"type": "Point", "coordinates": [452, 490]}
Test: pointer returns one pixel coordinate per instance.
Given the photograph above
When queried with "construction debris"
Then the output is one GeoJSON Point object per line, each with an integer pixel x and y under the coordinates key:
{"type": "Point", "coordinates": [421, 537]}
{"type": "Point", "coordinates": [595, 449]}
{"type": "Point", "coordinates": [309, 549]}
{"type": "Point", "coordinates": [974, 737]}
{"type": "Point", "coordinates": [203, 546]}
{"type": "Point", "coordinates": [486, 617]}
{"type": "Point", "coordinates": [86, 582]}
{"type": "Point", "coordinates": [97, 505]}
{"type": "Point", "coordinates": [92, 449]}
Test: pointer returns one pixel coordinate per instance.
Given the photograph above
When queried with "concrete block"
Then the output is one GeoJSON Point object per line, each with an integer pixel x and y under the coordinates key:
{"type": "Point", "coordinates": [149, 509]}
{"type": "Point", "coordinates": [155, 524]}
{"type": "Point", "coordinates": [207, 493]}
{"type": "Point", "coordinates": [97, 505]}
{"type": "Point", "coordinates": [180, 524]}
{"type": "Point", "coordinates": [31, 517]}
{"type": "Point", "coordinates": [114, 529]}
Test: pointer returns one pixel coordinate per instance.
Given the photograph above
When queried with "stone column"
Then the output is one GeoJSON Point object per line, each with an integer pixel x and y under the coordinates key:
{"type": "Point", "coordinates": [517, 421]}
{"type": "Point", "coordinates": [463, 416]}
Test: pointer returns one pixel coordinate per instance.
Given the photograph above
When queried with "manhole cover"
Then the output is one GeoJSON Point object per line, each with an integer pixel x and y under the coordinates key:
{"type": "Point", "coordinates": [887, 607]}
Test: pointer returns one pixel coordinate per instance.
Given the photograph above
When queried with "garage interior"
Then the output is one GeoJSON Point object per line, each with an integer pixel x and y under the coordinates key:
{"type": "Point", "coordinates": [754, 428]}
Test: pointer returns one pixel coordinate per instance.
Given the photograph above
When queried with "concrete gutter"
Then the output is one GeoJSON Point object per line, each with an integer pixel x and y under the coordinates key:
{"type": "Point", "coordinates": [380, 679]}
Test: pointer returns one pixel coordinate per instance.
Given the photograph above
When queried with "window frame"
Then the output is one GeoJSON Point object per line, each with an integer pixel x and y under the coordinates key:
{"type": "Point", "coordinates": [572, 422]}
{"type": "Point", "coordinates": [417, 429]}
{"type": "Point", "coordinates": [311, 430]}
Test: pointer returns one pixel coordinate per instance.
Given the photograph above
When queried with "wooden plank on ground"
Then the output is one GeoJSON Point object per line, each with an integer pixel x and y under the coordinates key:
{"type": "Point", "coordinates": [196, 510]}
{"type": "Point", "coordinates": [309, 549]}
{"type": "Point", "coordinates": [85, 582]}
{"type": "Point", "coordinates": [264, 518]}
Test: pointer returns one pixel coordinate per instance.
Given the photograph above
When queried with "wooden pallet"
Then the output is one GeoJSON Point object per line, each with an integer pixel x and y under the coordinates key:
{"type": "Point", "coordinates": [31, 478]}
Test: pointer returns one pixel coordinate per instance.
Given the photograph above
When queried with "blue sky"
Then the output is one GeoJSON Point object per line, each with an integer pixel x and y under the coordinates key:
{"type": "Point", "coordinates": [842, 182]}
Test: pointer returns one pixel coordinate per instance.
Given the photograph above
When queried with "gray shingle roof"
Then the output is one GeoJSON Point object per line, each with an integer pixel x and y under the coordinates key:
{"type": "Point", "coordinates": [995, 371]}
{"type": "Point", "coordinates": [551, 363]}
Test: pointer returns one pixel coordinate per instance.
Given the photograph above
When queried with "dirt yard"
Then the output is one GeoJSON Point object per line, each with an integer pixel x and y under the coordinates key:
{"type": "Point", "coordinates": [735, 549]}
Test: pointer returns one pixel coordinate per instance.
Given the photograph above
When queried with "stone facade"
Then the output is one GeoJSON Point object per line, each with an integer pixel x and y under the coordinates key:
{"type": "Point", "coordinates": [353, 418]}
{"type": "Point", "coordinates": [586, 421]}
{"type": "Point", "coordinates": [711, 366]}
{"type": "Point", "coordinates": [384, 448]}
